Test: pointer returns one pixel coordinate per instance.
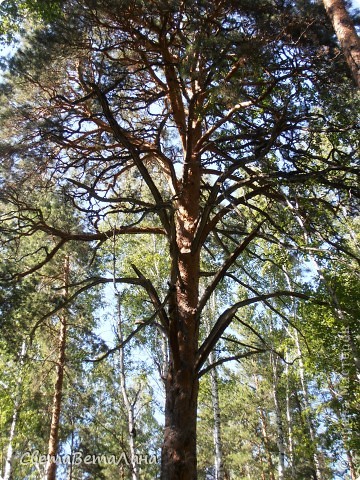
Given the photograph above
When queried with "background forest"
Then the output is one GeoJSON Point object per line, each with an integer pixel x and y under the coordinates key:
{"type": "Point", "coordinates": [179, 221]}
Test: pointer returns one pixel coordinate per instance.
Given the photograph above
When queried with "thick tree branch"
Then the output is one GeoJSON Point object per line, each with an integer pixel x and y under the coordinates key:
{"type": "Point", "coordinates": [155, 300]}
{"type": "Point", "coordinates": [226, 317]}
{"type": "Point", "coordinates": [121, 136]}
{"type": "Point", "coordinates": [94, 282]}
{"type": "Point", "coordinates": [39, 265]}
{"type": "Point", "coordinates": [222, 272]}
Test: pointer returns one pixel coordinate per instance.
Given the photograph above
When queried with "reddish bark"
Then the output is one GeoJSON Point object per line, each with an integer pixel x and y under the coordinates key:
{"type": "Point", "coordinates": [181, 383]}
{"type": "Point", "coordinates": [58, 389]}
{"type": "Point", "coordinates": [179, 448]}
{"type": "Point", "coordinates": [56, 409]}
{"type": "Point", "coordinates": [346, 34]}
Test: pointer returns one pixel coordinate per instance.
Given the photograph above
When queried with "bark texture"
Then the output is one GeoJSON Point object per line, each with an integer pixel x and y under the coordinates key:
{"type": "Point", "coordinates": [181, 382]}
{"type": "Point", "coordinates": [346, 34]}
{"type": "Point", "coordinates": [179, 448]}
{"type": "Point", "coordinates": [58, 389]}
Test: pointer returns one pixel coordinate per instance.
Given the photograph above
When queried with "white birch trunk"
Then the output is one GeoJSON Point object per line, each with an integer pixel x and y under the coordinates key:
{"type": "Point", "coordinates": [289, 421]}
{"type": "Point", "coordinates": [219, 467]}
{"type": "Point", "coordinates": [307, 409]}
{"type": "Point", "coordinates": [129, 405]}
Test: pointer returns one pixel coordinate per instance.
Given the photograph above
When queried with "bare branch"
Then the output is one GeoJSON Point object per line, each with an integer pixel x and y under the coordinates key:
{"type": "Point", "coordinates": [95, 281]}
{"type": "Point", "coordinates": [226, 317]}
{"type": "Point", "coordinates": [121, 136]}
{"type": "Point", "coordinates": [149, 287]}
{"type": "Point", "coordinates": [221, 273]}
{"type": "Point", "coordinates": [230, 359]}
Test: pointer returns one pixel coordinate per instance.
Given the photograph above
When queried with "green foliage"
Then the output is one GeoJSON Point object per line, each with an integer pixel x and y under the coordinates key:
{"type": "Point", "coordinates": [15, 16]}
{"type": "Point", "coordinates": [114, 115]}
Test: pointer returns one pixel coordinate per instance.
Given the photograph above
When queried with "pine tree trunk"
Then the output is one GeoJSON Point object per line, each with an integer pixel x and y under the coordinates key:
{"type": "Point", "coordinates": [58, 390]}
{"type": "Point", "coordinates": [56, 409]}
{"type": "Point", "coordinates": [346, 34]}
{"type": "Point", "coordinates": [179, 448]}
{"type": "Point", "coordinates": [181, 382]}
{"type": "Point", "coordinates": [15, 417]}
{"type": "Point", "coordinates": [279, 424]}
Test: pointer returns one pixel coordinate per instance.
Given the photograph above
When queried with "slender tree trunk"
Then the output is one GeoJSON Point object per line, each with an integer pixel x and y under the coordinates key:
{"type": "Point", "coordinates": [264, 431]}
{"type": "Point", "coordinates": [15, 417]}
{"type": "Point", "coordinates": [70, 473]}
{"type": "Point", "coordinates": [346, 34]}
{"type": "Point", "coordinates": [219, 467]}
{"type": "Point", "coordinates": [58, 390]}
{"type": "Point", "coordinates": [129, 406]}
{"type": "Point", "coordinates": [289, 422]}
{"type": "Point", "coordinates": [56, 408]}
{"type": "Point", "coordinates": [343, 421]}
{"type": "Point", "coordinates": [351, 463]}
{"type": "Point", "coordinates": [279, 424]}
{"type": "Point", "coordinates": [265, 435]}
{"type": "Point", "coordinates": [307, 408]}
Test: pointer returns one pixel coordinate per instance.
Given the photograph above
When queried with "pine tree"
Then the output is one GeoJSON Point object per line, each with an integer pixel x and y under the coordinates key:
{"type": "Point", "coordinates": [194, 121]}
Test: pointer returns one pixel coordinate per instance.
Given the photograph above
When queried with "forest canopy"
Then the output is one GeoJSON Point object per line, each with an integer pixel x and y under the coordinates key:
{"type": "Point", "coordinates": [179, 241]}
